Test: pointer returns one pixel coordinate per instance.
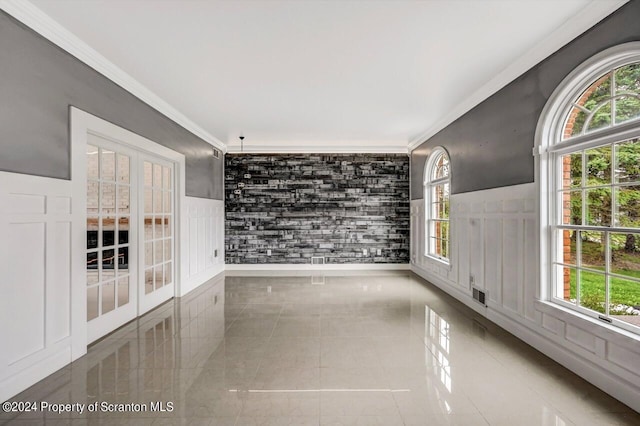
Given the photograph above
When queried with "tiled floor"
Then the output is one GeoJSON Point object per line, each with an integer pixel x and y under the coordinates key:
{"type": "Point", "coordinates": [384, 349]}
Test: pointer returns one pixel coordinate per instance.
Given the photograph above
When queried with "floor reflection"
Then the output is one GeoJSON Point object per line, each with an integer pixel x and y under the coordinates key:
{"type": "Point", "coordinates": [381, 349]}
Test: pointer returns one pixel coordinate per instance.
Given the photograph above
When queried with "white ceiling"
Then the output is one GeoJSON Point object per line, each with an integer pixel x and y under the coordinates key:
{"type": "Point", "coordinates": [338, 75]}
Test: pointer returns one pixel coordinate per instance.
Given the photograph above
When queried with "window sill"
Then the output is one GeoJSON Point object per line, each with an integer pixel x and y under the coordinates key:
{"type": "Point", "coordinates": [596, 327]}
{"type": "Point", "coordinates": [442, 262]}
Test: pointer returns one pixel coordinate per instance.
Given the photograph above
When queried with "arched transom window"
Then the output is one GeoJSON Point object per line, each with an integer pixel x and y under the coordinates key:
{"type": "Point", "coordinates": [594, 174]}
{"type": "Point", "coordinates": [437, 190]}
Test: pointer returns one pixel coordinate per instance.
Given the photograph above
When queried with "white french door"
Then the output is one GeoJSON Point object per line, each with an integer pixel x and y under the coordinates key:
{"type": "Point", "coordinates": [157, 239]}
{"type": "Point", "coordinates": [111, 252]}
{"type": "Point", "coordinates": [130, 234]}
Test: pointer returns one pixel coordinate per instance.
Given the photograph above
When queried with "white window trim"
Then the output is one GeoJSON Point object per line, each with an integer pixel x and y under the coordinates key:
{"type": "Point", "coordinates": [427, 185]}
{"type": "Point", "coordinates": [548, 131]}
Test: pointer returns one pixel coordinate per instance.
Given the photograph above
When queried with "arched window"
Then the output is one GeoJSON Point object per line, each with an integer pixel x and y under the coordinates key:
{"type": "Point", "coordinates": [590, 188]}
{"type": "Point", "coordinates": [436, 196]}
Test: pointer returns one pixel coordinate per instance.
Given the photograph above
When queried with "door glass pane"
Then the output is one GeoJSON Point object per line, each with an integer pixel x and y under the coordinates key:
{"type": "Point", "coordinates": [93, 169]}
{"type": "Point", "coordinates": [167, 226]}
{"type": "Point", "coordinates": [108, 266]}
{"type": "Point", "coordinates": [123, 230]}
{"type": "Point", "coordinates": [108, 297]}
{"type": "Point", "coordinates": [148, 281]}
{"type": "Point", "coordinates": [123, 291]}
{"type": "Point", "coordinates": [92, 232]}
{"type": "Point", "coordinates": [148, 200]}
{"type": "Point", "coordinates": [157, 271]}
{"type": "Point", "coordinates": [108, 231]}
{"type": "Point", "coordinates": [92, 268]}
{"type": "Point", "coordinates": [167, 249]}
{"type": "Point", "coordinates": [123, 260]}
{"type": "Point", "coordinates": [108, 165]}
{"type": "Point", "coordinates": [93, 194]}
{"type": "Point", "coordinates": [123, 169]}
{"type": "Point", "coordinates": [157, 176]}
{"type": "Point", "coordinates": [124, 200]}
{"type": "Point", "coordinates": [148, 228]}
{"type": "Point", "coordinates": [167, 202]}
{"type": "Point", "coordinates": [167, 273]}
{"type": "Point", "coordinates": [166, 171]}
{"type": "Point", "coordinates": [157, 201]}
{"type": "Point", "coordinates": [157, 227]}
{"type": "Point", "coordinates": [148, 175]}
{"type": "Point", "coordinates": [148, 254]}
{"type": "Point", "coordinates": [157, 248]}
{"type": "Point", "coordinates": [108, 198]}
{"type": "Point", "coordinates": [92, 303]}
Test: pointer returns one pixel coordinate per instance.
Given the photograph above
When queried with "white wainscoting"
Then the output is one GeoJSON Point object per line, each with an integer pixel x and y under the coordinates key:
{"type": "Point", "coordinates": [36, 229]}
{"type": "Point", "coordinates": [495, 240]}
{"type": "Point", "coordinates": [202, 242]}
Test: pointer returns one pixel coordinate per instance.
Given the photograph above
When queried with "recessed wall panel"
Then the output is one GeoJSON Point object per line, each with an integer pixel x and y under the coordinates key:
{"type": "Point", "coordinates": [26, 289]}
{"type": "Point", "coordinates": [59, 283]}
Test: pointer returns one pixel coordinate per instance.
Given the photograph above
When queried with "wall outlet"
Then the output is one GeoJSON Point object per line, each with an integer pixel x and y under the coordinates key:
{"type": "Point", "coordinates": [472, 280]}
{"type": "Point", "coordinates": [379, 252]}
{"type": "Point", "coordinates": [268, 252]}
{"type": "Point", "coordinates": [365, 252]}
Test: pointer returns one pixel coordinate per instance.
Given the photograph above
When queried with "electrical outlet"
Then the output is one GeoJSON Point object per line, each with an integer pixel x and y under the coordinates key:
{"type": "Point", "coordinates": [365, 252]}
{"type": "Point", "coordinates": [472, 280]}
{"type": "Point", "coordinates": [268, 252]}
{"type": "Point", "coordinates": [379, 252]}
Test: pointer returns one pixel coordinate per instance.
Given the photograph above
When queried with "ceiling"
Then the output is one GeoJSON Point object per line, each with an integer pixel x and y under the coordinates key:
{"type": "Point", "coordinates": [324, 75]}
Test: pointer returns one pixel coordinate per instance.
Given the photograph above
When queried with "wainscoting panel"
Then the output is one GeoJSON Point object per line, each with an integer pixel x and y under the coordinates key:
{"type": "Point", "coordinates": [495, 238]}
{"type": "Point", "coordinates": [35, 289]}
{"type": "Point", "coordinates": [203, 242]}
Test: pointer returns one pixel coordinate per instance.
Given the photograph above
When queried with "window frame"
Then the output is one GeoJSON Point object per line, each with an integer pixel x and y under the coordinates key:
{"type": "Point", "coordinates": [549, 150]}
{"type": "Point", "coordinates": [429, 186]}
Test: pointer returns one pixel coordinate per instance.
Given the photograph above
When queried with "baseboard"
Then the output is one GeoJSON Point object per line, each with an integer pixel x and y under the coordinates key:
{"type": "Point", "coordinates": [243, 270]}
{"type": "Point", "coordinates": [553, 348]}
{"type": "Point", "coordinates": [191, 283]}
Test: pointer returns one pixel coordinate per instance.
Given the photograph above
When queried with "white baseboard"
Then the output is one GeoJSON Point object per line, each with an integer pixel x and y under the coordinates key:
{"type": "Point", "coordinates": [271, 269]}
{"type": "Point", "coordinates": [538, 339]}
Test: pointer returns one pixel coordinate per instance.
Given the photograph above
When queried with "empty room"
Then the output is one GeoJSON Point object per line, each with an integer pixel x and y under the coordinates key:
{"type": "Point", "coordinates": [320, 212]}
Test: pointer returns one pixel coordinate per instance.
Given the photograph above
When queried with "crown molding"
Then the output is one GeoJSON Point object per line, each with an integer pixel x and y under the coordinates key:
{"type": "Point", "coordinates": [593, 13]}
{"type": "Point", "coordinates": [318, 149]}
{"type": "Point", "coordinates": [44, 25]}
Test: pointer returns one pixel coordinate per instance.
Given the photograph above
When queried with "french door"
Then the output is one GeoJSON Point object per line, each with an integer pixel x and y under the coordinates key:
{"type": "Point", "coordinates": [111, 236]}
{"type": "Point", "coordinates": [157, 221]}
{"type": "Point", "coordinates": [130, 242]}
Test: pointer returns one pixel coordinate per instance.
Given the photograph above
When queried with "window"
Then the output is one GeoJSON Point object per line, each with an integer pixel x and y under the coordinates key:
{"type": "Point", "coordinates": [436, 197]}
{"type": "Point", "coordinates": [592, 163]}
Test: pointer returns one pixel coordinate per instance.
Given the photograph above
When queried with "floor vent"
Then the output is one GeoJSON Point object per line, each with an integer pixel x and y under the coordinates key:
{"type": "Point", "coordinates": [317, 260]}
{"type": "Point", "coordinates": [479, 296]}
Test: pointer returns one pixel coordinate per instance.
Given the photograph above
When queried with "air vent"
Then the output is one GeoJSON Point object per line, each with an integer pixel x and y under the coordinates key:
{"type": "Point", "coordinates": [479, 296]}
{"type": "Point", "coordinates": [216, 153]}
{"type": "Point", "coordinates": [317, 260]}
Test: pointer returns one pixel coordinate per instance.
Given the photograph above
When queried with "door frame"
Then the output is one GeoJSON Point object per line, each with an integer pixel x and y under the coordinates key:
{"type": "Point", "coordinates": [82, 123]}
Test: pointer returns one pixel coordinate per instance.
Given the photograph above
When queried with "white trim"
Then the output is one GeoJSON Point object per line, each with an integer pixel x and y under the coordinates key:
{"type": "Point", "coordinates": [593, 13]}
{"type": "Point", "coordinates": [47, 27]}
{"type": "Point", "coordinates": [325, 267]}
{"type": "Point", "coordinates": [314, 148]}
{"type": "Point", "coordinates": [427, 187]}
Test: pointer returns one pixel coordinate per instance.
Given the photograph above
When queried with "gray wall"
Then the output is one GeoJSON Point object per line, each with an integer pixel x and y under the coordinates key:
{"type": "Point", "coordinates": [38, 83]}
{"type": "Point", "coordinates": [329, 205]}
{"type": "Point", "coordinates": [491, 145]}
